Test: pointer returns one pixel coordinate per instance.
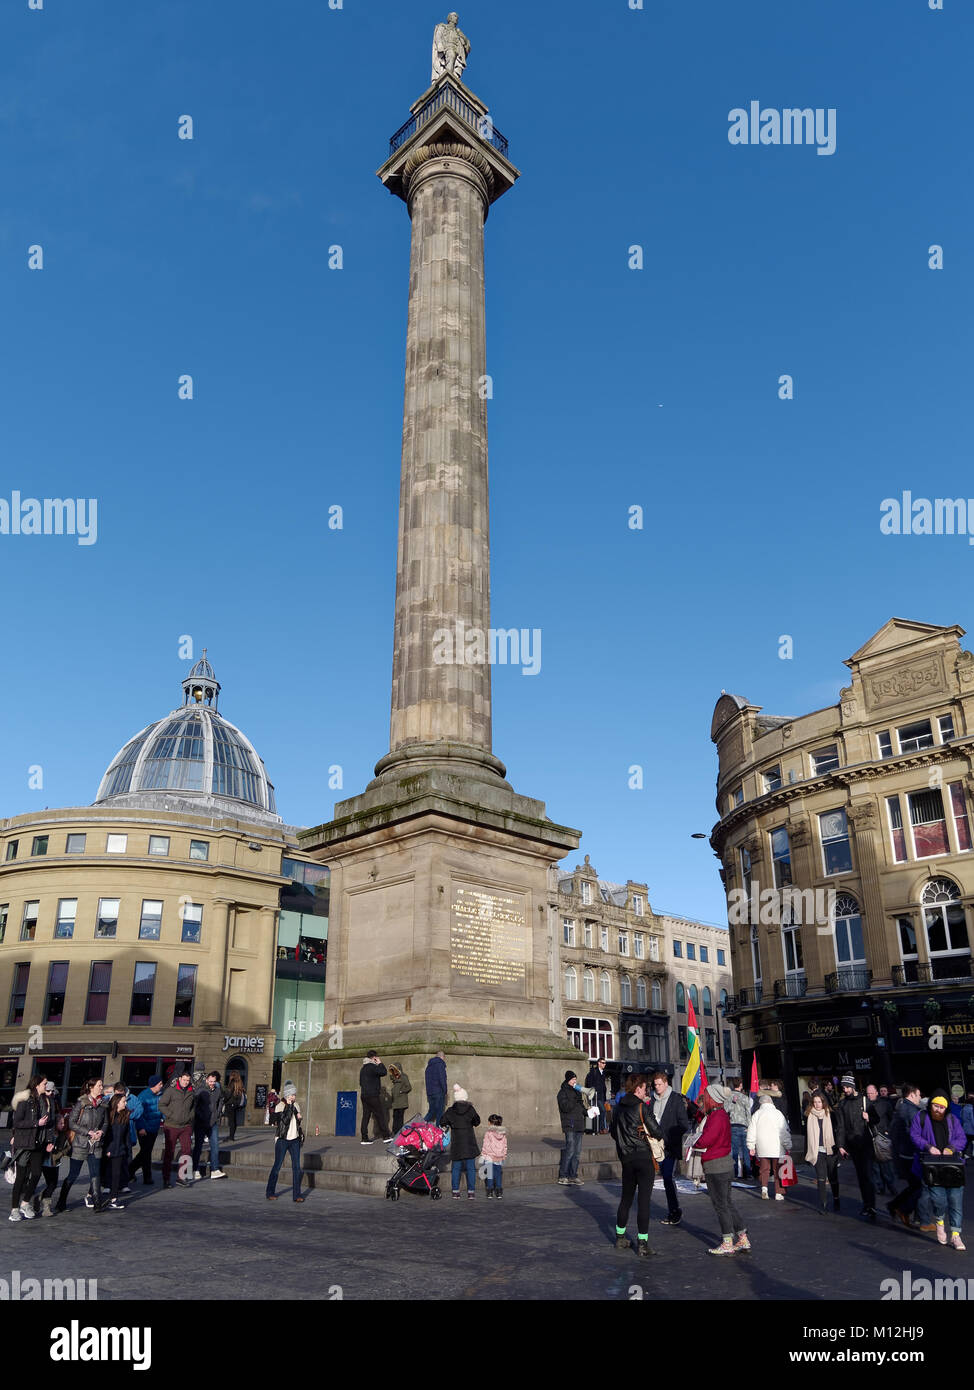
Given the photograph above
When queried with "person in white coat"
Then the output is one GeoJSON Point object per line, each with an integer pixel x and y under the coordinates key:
{"type": "Point", "coordinates": [768, 1139]}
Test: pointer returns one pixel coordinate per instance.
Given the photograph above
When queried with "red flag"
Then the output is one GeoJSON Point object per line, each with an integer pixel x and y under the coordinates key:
{"type": "Point", "coordinates": [755, 1084]}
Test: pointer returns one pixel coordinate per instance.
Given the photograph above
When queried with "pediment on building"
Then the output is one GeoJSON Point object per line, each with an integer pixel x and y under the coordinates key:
{"type": "Point", "coordinates": [900, 635]}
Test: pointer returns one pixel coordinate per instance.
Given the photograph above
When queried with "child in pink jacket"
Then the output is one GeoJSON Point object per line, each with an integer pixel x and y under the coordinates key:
{"type": "Point", "coordinates": [494, 1152]}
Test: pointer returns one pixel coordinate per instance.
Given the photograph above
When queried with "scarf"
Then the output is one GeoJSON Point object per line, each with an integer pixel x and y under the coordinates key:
{"type": "Point", "coordinates": [819, 1132]}
{"type": "Point", "coordinates": [659, 1104]}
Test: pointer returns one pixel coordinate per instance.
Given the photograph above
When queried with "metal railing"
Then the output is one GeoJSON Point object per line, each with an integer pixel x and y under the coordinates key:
{"type": "Point", "coordinates": [924, 972]}
{"type": "Point", "coordinates": [849, 977]}
{"type": "Point", "coordinates": [792, 987]}
{"type": "Point", "coordinates": [448, 96]}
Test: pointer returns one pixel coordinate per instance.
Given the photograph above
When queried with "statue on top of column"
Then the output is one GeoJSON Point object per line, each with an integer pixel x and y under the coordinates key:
{"type": "Point", "coordinates": [450, 49]}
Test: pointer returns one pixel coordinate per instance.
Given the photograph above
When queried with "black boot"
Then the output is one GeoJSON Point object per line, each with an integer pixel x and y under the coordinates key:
{"type": "Point", "coordinates": [62, 1200]}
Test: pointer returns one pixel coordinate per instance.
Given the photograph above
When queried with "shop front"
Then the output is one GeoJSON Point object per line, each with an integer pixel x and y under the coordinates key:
{"type": "Point", "coordinates": [932, 1041]}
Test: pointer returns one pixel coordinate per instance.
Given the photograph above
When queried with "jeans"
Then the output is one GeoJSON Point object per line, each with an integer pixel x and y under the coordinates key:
{"type": "Point", "coordinates": [827, 1173]}
{"type": "Point", "coordinates": [437, 1105]}
{"type": "Point", "coordinates": [949, 1202]}
{"type": "Point", "coordinates": [212, 1134]}
{"type": "Point", "coordinates": [601, 1127]}
{"type": "Point", "coordinates": [28, 1176]}
{"type": "Point", "coordinates": [281, 1148]}
{"type": "Point", "coordinates": [739, 1149]}
{"type": "Point", "coordinates": [637, 1181]}
{"type": "Point", "coordinates": [74, 1168]}
{"type": "Point", "coordinates": [463, 1165]}
{"type": "Point", "coordinates": [719, 1188]}
{"type": "Point", "coordinates": [882, 1175]}
{"type": "Point", "coordinates": [570, 1154]}
{"type": "Point", "coordinates": [373, 1109]}
{"type": "Point", "coordinates": [171, 1137]}
{"type": "Point", "coordinates": [494, 1174]}
{"type": "Point", "coordinates": [669, 1186]}
{"type": "Point", "coordinates": [143, 1159]}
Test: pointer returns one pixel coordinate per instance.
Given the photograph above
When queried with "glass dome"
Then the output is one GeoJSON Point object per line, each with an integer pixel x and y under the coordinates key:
{"type": "Point", "coordinates": [192, 752]}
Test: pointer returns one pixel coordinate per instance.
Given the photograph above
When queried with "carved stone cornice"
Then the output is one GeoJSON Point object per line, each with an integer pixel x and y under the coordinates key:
{"type": "Point", "coordinates": [444, 150]}
{"type": "Point", "coordinates": [799, 833]}
{"type": "Point", "coordinates": [863, 815]}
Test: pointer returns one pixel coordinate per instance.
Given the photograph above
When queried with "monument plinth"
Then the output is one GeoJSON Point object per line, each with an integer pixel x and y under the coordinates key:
{"type": "Point", "coordinates": [439, 931]}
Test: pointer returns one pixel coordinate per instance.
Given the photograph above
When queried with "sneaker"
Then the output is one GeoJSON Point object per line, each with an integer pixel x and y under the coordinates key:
{"type": "Point", "coordinates": [366, 1141]}
{"type": "Point", "coordinates": [564, 1182]}
{"type": "Point", "coordinates": [27, 1211]}
{"type": "Point", "coordinates": [726, 1247]}
{"type": "Point", "coordinates": [389, 1140]}
{"type": "Point", "coordinates": [471, 1196]}
{"type": "Point", "coordinates": [742, 1242]}
{"type": "Point", "coordinates": [125, 1191]}
{"type": "Point", "coordinates": [764, 1194]}
{"type": "Point", "coordinates": [455, 1196]}
{"type": "Point", "coordinates": [197, 1176]}
{"type": "Point", "coordinates": [217, 1173]}
{"type": "Point", "coordinates": [16, 1214]}
{"type": "Point", "coordinates": [932, 1226]}
{"type": "Point", "coordinates": [89, 1201]}
{"type": "Point", "coordinates": [489, 1194]}
{"type": "Point", "coordinates": [576, 1182]}
{"type": "Point", "coordinates": [115, 1205]}
{"type": "Point", "coordinates": [779, 1196]}
{"type": "Point", "coordinates": [956, 1241]}
{"type": "Point", "coordinates": [498, 1196]}
{"type": "Point", "coordinates": [941, 1233]}
{"type": "Point", "coordinates": [673, 1219]}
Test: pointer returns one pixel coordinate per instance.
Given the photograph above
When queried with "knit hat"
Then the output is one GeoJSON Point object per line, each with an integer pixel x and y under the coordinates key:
{"type": "Point", "coordinates": [848, 1081]}
{"type": "Point", "coordinates": [570, 1075]}
{"type": "Point", "coordinates": [289, 1089]}
{"type": "Point", "coordinates": [154, 1079]}
{"type": "Point", "coordinates": [459, 1093]}
{"type": "Point", "coordinates": [718, 1093]}
{"type": "Point", "coordinates": [939, 1100]}
{"type": "Point", "coordinates": [957, 1092]}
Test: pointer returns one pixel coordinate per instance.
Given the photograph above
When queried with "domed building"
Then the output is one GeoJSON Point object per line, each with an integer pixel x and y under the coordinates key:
{"type": "Point", "coordinates": [175, 923]}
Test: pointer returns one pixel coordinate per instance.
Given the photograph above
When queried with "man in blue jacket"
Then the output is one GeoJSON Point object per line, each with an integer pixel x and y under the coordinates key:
{"type": "Point", "coordinates": [147, 1127]}
{"type": "Point", "coordinates": [436, 1087]}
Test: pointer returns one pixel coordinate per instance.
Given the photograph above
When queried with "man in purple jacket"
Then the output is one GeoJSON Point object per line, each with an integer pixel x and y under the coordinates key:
{"type": "Point", "coordinates": [937, 1132]}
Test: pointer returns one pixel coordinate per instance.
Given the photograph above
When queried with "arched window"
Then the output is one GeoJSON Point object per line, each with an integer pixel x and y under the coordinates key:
{"type": "Point", "coordinates": [723, 1000]}
{"type": "Point", "coordinates": [640, 993]}
{"type": "Point", "coordinates": [605, 987]}
{"type": "Point", "coordinates": [588, 986]}
{"type": "Point", "coordinates": [695, 999]}
{"type": "Point", "coordinates": [571, 983]}
{"type": "Point", "coordinates": [849, 946]}
{"type": "Point", "coordinates": [625, 989]}
{"type": "Point", "coordinates": [708, 1006]}
{"type": "Point", "coordinates": [657, 996]}
{"type": "Point", "coordinates": [681, 1000]}
{"type": "Point", "coordinates": [946, 925]}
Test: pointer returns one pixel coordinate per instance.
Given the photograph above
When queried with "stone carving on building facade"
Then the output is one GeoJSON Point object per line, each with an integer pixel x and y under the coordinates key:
{"type": "Point", "coordinates": [799, 833]}
{"type": "Point", "coordinates": [924, 676]}
{"type": "Point", "coordinates": [451, 47]}
{"type": "Point", "coordinates": [965, 667]}
{"type": "Point", "coordinates": [848, 702]}
{"type": "Point", "coordinates": [862, 815]}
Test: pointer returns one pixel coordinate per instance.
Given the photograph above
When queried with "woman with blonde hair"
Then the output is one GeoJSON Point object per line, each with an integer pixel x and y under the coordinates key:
{"type": "Point", "coordinates": [822, 1151]}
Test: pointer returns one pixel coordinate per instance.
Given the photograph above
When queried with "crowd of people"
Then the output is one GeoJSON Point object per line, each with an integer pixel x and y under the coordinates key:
{"type": "Point", "coordinates": [111, 1134]}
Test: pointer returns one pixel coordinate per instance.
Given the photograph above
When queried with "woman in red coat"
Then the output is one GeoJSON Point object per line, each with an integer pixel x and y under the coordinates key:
{"type": "Point", "coordinates": [714, 1148]}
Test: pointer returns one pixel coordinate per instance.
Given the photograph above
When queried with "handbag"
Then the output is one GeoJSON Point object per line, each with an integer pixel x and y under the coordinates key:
{"type": "Point", "coordinates": [655, 1145]}
{"type": "Point", "coordinates": [787, 1175]}
{"type": "Point", "coordinates": [882, 1146]}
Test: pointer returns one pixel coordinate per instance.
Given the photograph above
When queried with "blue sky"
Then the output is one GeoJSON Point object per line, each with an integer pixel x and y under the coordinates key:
{"type": "Point", "coordinates": [612, 387]}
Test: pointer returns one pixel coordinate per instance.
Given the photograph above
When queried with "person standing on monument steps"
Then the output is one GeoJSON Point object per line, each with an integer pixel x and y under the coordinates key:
{"type": "Point", "coordinates": [436, 1087]}
{"type": "Point", "coordinates": [464, 1149]}
{"type": "Point", "coordinates": [370, 1090]}
{"type": "Point", "coordinates": [574, 1113]}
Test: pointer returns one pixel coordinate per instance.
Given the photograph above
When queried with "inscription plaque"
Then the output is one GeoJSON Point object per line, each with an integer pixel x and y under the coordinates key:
{"type": "Point", "coordinates": [488, 942]}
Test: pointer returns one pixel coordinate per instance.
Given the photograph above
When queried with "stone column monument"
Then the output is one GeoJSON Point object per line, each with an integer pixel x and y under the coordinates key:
{"type": "Point", "coordinates": [439, 933]}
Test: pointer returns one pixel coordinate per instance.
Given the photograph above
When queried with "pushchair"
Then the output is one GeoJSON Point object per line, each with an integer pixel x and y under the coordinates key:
{"type": "Point", "coordinates": [418, 1148]}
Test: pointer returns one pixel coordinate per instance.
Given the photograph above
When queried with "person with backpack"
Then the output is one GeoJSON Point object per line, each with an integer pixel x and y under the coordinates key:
{"type": "Point", "coordinates": [86, 1127]}
{"type": "Point", "coordinates": [633, 1128]}
{"type": "Point", "coordinates": [290, 1136]}
{"type": "Point", "coordinates": [32, 1140]}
